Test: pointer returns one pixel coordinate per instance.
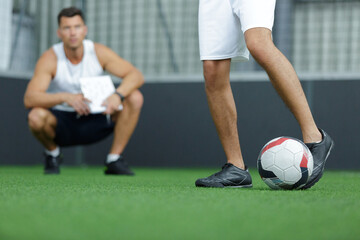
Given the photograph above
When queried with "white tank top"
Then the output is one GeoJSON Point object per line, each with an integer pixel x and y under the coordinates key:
{"type": "Point", "coordinates": [68, 74]}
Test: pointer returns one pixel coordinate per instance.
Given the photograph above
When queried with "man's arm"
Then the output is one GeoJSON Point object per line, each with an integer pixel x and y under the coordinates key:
{"type": "Point", "coordinates": [36, 96]}
{"type": "Point", "coordinates": [132, 78]}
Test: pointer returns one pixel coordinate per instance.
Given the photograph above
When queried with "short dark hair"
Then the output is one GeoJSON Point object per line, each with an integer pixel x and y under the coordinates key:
{"type": "Point", "coordinates": [70, 12]}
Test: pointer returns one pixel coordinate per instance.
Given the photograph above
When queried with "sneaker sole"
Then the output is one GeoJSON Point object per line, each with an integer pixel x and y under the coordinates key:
{"type": "Point", "coordinates": [117, 173]}
{"type": "Point", "coordinates": [240, 186]}
{"type": "Point", "coordinates": [320, 175]}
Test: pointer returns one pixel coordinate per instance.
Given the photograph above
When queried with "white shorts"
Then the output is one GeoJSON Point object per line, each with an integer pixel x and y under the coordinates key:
{"type": "Point", "coordinates": [222, 24]}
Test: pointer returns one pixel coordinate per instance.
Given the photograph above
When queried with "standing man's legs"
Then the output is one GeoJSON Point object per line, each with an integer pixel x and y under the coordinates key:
{"type": "Point", "coordinates": [219, 36]}
{"type": "Point", "coordinates": [285, 81]}
{"type": "Point", "coordinates": [217, 26]}
{"type": "Point", "coordinates": [222, 108]}
{"type": "Point", "coordinates": [283, 78]}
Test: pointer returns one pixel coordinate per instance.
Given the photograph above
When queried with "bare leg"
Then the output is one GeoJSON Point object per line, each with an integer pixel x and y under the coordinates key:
{"type": "Point", "coordinates": [126, 121]}
{"type": "Point", "coordinates": [284, 79]}
{"type": "Point", "coordinates": [222, 108]}
{"type": "Point", "coordinates": [42, 124]}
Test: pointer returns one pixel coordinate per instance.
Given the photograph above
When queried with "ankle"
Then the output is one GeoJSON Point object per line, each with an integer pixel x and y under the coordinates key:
{"type": "Point", "coordinates": [237, 163]}
{"type": "Point", "coordinates": [112, 158]}
{"type": "Point", "coordinates": [54, 152]}
{"type": "Point", "coordinates": [313, 137]}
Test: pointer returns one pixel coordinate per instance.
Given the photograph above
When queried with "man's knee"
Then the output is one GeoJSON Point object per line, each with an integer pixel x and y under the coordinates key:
{"type": "Point", "coordinates": [258, 49]}
{"type": "Point", "coordinates": [214, 74]}
{"type": "Point", "coordinates": [37, 119]}
{"type": "Point", "coordinates": [135, 100]}
{"type": "Point", "coordinates": [259, 43]}
{"type": "Point", "coordinates": [210, 69]}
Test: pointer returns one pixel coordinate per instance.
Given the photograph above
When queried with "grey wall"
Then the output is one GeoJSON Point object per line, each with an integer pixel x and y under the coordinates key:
{"type": "Point", "coordinates": [176, 129]}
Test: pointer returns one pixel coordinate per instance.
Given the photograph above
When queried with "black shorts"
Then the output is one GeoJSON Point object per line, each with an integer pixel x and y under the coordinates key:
{"type": "Point", "coordinates": [72, 129]}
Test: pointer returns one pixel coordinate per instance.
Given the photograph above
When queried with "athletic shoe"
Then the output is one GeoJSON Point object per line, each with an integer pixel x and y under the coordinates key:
{"type": "Point", "coordinates": [320, 152]}
{"type": "Point", "coordinates": [52, 164]}
{"type": "Point", "coordinates": [118, 167]}
{"type": "Point", "coordinates": [229, 176]}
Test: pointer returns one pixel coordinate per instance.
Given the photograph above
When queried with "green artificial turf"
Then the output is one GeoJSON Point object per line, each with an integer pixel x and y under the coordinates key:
{"type": "Point", "coordinates": [83, 203]}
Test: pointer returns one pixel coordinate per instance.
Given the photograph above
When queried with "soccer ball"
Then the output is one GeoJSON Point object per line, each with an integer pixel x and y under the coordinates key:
{"type": "Point", "coordinates": [285, 163]}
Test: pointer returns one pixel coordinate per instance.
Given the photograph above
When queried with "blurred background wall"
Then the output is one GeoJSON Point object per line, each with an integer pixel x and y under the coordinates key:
{"type": "Point", "coordinates": [320, 37]}
{"type": "Point", "coordinates": [160, 36]}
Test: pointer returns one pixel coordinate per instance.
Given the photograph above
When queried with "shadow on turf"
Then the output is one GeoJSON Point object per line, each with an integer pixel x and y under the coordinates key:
{"type": "Point", "coordinates": [258, 188]}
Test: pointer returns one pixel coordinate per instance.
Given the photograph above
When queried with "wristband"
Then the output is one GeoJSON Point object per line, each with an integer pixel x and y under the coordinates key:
{"type": "Point", "coordinates": [120, 96]}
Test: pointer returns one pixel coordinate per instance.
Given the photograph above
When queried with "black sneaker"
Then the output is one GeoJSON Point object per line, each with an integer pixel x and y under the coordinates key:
{"type": "Point", "coordinates": [320, 152]}
{"type": "Point", "coordinates": [118, 167]}
{"type": "Point", "coordinates": [52, 164]}
{"type": "Point", "coordinates": [229, 176]}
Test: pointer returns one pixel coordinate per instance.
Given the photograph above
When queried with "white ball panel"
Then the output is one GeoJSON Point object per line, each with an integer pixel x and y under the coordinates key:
{"type": "Point", "coordinates": [278, 172]}
{"type": "Point", "coordinates": [284, 159]}
{"type": "Point", "coordinates": [292, 175]}
{"type": "Point", "coordinates": [267, 160]}
{"type": "Point", "coordinates": [293, 146]}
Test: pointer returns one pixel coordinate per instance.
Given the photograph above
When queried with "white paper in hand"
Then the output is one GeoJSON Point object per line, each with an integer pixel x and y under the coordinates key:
{"type": "Point", "coordinates": [97, 90]}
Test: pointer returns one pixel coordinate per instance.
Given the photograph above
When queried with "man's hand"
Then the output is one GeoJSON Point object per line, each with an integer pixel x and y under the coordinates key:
{"type": "Point", "coordinates": [112, 104]}
{"type": "Point", "coordinates": [78, 102]}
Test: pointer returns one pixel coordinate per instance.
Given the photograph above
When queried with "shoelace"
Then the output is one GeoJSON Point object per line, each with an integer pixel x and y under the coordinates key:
{"type": "Point", "coordinates": [222, 168]}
